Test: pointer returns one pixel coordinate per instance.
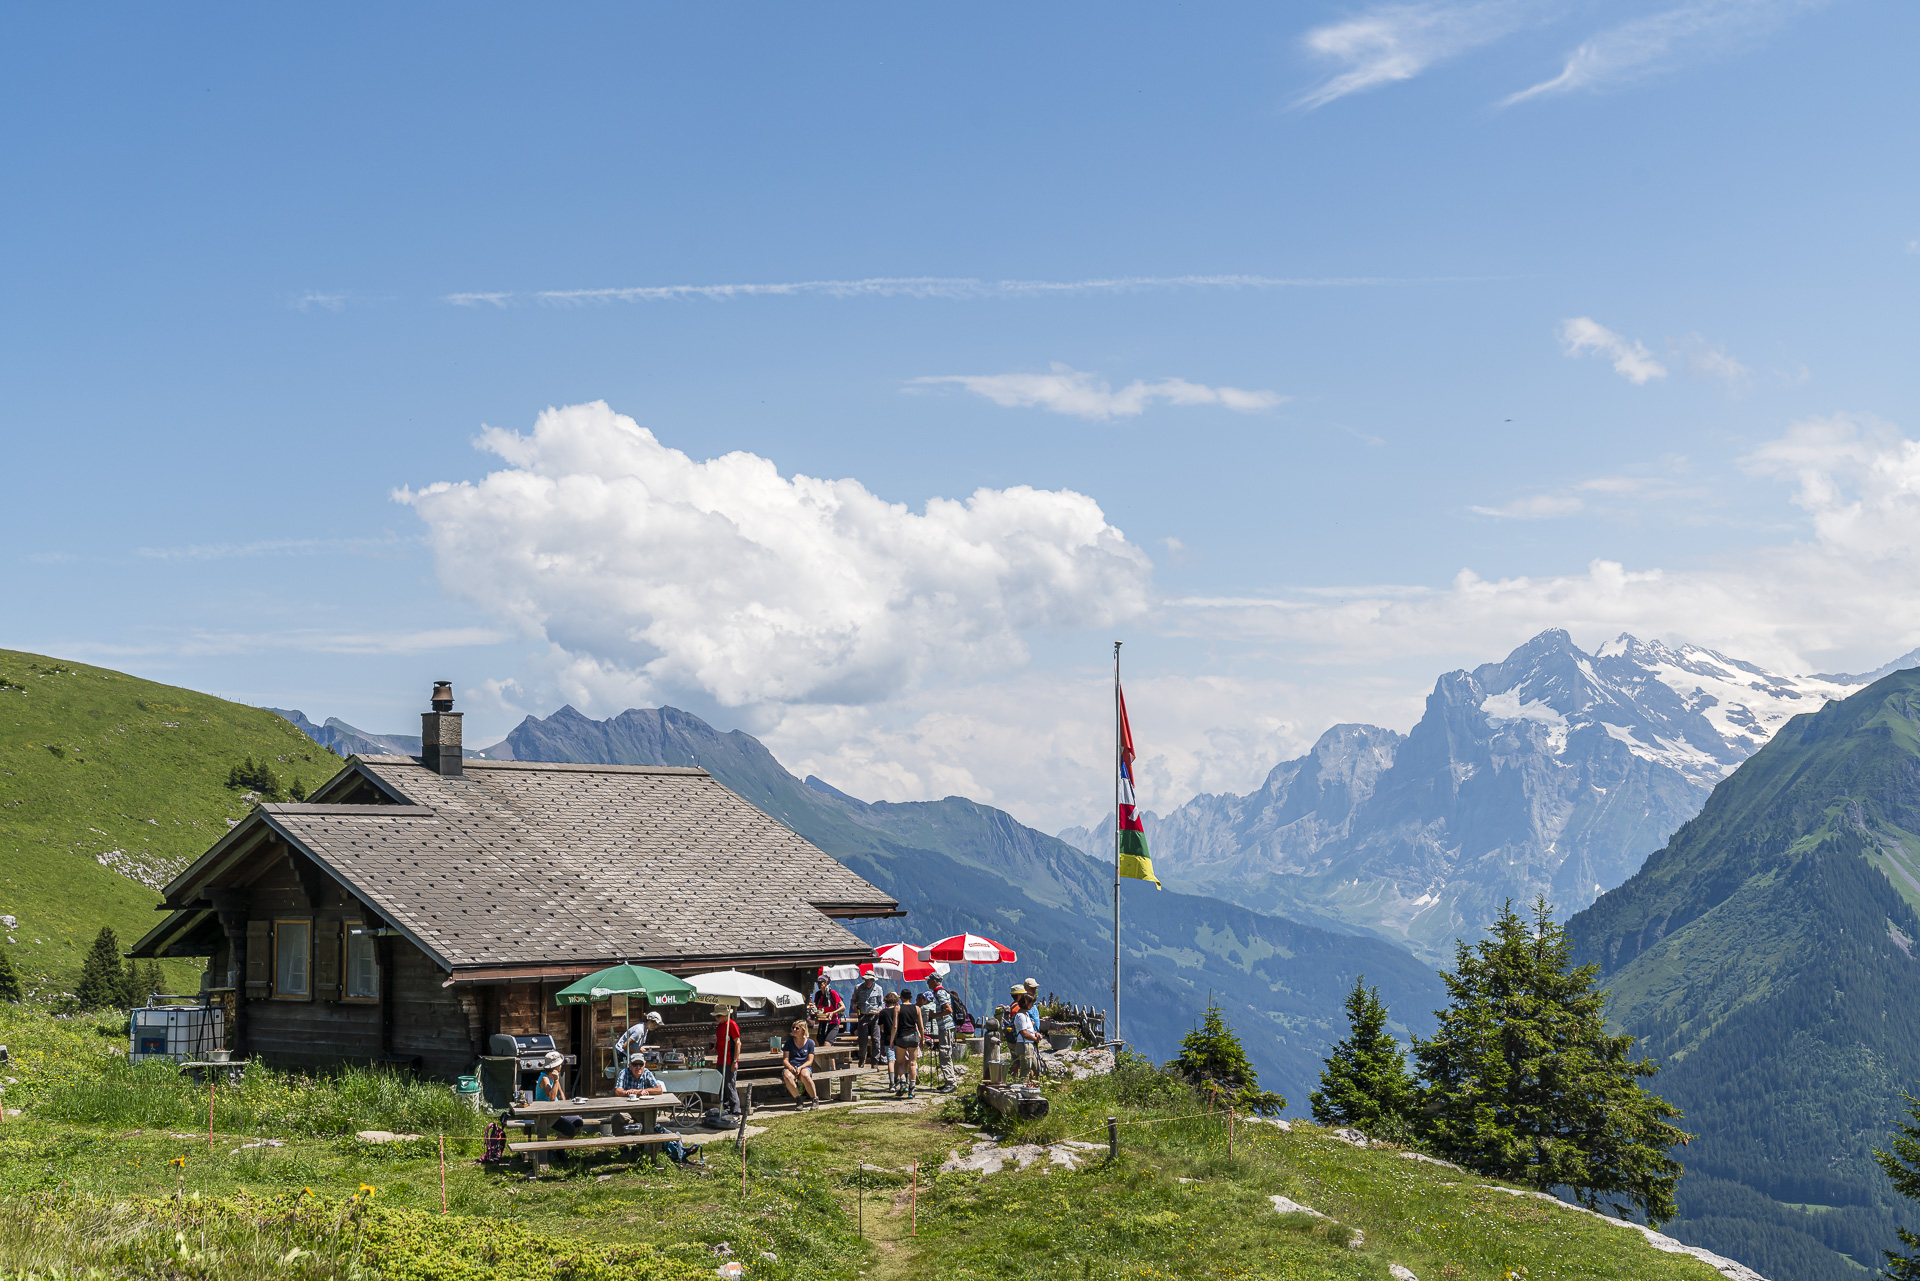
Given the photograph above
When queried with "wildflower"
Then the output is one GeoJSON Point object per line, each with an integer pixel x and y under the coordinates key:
{"type": "Point", "coordinates": [367, 1188]}
{"type": "Point", "coordinates": [179, 1162]}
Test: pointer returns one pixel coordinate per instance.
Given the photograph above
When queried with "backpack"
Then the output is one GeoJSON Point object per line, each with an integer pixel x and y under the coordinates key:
{"type": "Point", "coordinates": [962, 1018]}
{"type": "Point", "coordinates": [494, 1148]}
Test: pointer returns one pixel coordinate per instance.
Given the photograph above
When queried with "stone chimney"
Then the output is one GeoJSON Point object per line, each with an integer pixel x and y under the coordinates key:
{"type": "Point", "coordinates": [440, 734]}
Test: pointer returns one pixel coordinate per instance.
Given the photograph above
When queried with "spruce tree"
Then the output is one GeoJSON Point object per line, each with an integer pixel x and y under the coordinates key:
{"type": "Point", "coordinates": [1903, 1168]}
{"type": "Point", "coordinates": [1365, 1083]}
{"type": "Point", "coordinates": [1523, 1082]}
{"type": "Point", "coordinates": [102, 981]}
{"type": "Point", "coordinates": [1212, 1058]}
{"type": "Point", "coordinates": [9, 979]}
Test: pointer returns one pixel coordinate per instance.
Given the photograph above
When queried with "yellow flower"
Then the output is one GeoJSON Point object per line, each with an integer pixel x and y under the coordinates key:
{"type": "Point", "coordinates": [179, 1161]}
{"type": "Point", "coordinates": [367, 1188]}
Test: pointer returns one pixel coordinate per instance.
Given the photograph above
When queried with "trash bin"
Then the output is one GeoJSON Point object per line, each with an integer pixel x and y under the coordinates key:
{"type": "Point", "coordinates": [468, 1088]}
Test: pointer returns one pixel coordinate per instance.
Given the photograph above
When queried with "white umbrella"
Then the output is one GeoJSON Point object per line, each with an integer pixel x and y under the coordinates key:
{"type": "Point", "coordinates": [749, 988]}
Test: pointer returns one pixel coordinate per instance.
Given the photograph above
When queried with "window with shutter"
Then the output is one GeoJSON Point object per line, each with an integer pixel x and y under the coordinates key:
{"type": "Point", "coordinates": [293, 960]}
{"type": "Point", "coordinates": [259, 958]}
{"type": "Point", "coordinates": [363, 967]}
{"type": "Point", "coordinates": [326, 960]}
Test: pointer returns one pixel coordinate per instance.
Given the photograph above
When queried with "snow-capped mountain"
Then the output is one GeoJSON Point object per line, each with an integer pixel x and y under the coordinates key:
{"type": "Point", "coordinates": [1552, 772]}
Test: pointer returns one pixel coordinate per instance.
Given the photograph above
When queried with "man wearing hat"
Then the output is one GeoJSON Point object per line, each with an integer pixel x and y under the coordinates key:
{"type": "Point", "coordinates": [943, 1029]}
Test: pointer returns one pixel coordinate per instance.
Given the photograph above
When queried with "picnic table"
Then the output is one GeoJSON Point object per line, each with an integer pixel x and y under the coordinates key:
{"type": "Point", "coordinates": [646, 1107]}
{"type": "Point", "coordinates": [769, 1062]}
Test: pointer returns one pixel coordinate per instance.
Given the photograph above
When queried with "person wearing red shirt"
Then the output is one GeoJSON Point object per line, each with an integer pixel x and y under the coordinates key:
{"type": "Point", "coordinates": [726, 1054]}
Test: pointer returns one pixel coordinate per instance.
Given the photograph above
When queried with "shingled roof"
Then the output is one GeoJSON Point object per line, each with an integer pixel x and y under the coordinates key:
{"type": "Point", "coordinates": [520, 864]}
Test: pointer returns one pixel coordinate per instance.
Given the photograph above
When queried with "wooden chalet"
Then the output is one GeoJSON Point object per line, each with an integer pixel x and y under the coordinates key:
{"type": "Point", "coordinates": [415, 906]}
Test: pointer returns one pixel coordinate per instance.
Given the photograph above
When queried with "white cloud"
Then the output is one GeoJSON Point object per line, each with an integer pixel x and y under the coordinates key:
{"type": "Point", "coordinates": [950, 287]}
{"type": "Point", "coordinates": [1399, 41]}
{"type": "Point", "coordinates": [1852, 587]}
{"type": "Point", "coordinates": [330, 302]}
{"type": "Point", "coordinates": [1631, 360]}
{"type": "Point", "coordinates": [1071, 391]}
{"type": "Point", "coordinates": [1534, 507]}
{"type": "Point", "coordinates": [729, 581]}
{"type": "Point", "coordinates": [1659, 40]}
{"type": "Point", "coordinates": [1711, 360]}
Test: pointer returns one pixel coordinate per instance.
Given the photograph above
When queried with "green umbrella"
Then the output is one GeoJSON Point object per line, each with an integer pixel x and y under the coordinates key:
{"type": "Point", "coordinates": [627, 980]}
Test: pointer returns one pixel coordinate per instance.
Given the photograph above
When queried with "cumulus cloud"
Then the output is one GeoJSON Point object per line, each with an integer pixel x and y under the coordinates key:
{"type": "Point", "coordinates": [728, 580]}
{"type": "Point", "coordinates": [1852, 587]}
{"type": "Point", "coordinates": [1583, 336]}
{"type": "Point", "coordinates": [1064, 390]}
{"type": "Point", "coordinates": [1399, 41]}
{"type": "Point", "coordinates": [1660, 40]}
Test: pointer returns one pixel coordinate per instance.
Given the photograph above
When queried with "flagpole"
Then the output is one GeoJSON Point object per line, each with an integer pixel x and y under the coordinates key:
{"type": "Point", "coordinates": [1113, 1033]}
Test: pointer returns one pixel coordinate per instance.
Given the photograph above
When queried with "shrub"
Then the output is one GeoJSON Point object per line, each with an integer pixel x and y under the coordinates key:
{"type": "Point", "coordinates": [102, 982]}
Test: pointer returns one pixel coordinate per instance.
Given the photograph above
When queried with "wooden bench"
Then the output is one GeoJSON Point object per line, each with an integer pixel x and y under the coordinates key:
{"type": "Point", "coordinates": [841, 1078]}
{"type": "Point", "coordinates": [538, 1150]}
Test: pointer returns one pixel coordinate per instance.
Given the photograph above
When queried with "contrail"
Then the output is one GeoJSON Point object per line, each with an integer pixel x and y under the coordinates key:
{"type": "Point", "coordinates": [941, 287]}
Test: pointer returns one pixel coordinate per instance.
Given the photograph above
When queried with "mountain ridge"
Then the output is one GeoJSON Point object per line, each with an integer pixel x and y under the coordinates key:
{"type": "Point", "coordinates": [1552, 771]}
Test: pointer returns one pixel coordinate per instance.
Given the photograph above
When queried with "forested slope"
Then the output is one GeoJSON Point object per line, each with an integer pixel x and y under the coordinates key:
{"type": "Point", "coordinates": [1766, 956]}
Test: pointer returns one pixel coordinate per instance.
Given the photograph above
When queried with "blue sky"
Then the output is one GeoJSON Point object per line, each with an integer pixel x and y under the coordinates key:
{"type": "Point", "coordinates": [1310, 312]}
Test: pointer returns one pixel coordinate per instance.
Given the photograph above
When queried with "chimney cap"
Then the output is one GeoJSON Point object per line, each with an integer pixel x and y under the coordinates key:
{"type": "Point", "coordinates": [443, 696]}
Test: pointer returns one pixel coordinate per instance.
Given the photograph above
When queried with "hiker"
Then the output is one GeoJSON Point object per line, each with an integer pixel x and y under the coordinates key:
{"type": "Point", "coordinates": [797, 1071]}
{"type": "Point", "coordinates": [867, 1003]}
{"type": "Point", "coordinates": [726, 1056]}
{"type": "Point", "coordinates": [827, 1010]}
{"type": "Point", "coordinates": [909, 1030]}
{"type": "Point", "coordinates": [884, 1028]}
{"type": "Point", "coordinates": [1026, 1038]}
{"type": "Point", "coordinates": [943, 1033]}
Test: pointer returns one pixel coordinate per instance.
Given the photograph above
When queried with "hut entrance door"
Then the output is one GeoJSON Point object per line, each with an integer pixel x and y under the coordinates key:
{"type": "Point", "coordinates": [579, 1045]}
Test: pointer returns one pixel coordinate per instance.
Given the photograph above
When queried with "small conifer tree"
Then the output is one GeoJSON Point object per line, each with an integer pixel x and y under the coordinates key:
{"type": "Point", "coordinates": [1365, 1083]}
{"type": "Point", "coordinates": [1212, 1058]}
{"type": "Point", "coordinates": [1903, 1168]}
{"type": "Point", "coordinates": [249, 777]}
{"type": "Point", "coordinates": [1524, 1083]}
{"type": "Point", "coordinates": [102, 980]}
{"type": "Point", "coordinates": [9, 979]}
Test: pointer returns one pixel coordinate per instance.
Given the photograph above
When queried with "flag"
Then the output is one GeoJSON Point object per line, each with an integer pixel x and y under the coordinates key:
{"type": "Point", "coordinates": [1134, 859]}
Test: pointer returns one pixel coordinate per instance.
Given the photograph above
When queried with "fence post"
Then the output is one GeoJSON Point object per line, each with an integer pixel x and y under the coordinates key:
{"type": "Point", "coordinates": [1113, 1138]}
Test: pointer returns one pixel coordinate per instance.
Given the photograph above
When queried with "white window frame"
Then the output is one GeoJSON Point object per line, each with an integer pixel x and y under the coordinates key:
{"type": "Point", "coordinates": [283, 988]}
{"type": "Point", "coordinates": [368, 947]}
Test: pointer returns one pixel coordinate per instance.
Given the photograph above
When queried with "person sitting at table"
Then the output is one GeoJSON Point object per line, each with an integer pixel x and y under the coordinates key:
{"type": "Point", "coordinates": [797, 1072]}
{"type": "Point", "coordinates": [635, 1081]}
{"type": "Point", "coordinates": [550, 1087]}
{"type": "Point", "coordinates": [827, 1010]}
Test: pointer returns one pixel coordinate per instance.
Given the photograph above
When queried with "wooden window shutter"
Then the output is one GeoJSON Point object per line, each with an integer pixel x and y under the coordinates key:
{"type": "Point", "coordinates": [259, 959]}
{"type": "Point", "coordinates": [326, 960]}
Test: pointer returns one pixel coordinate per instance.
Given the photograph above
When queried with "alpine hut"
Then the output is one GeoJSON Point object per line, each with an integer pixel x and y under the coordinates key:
{"type": "Point", "coordinates": [416, 907]}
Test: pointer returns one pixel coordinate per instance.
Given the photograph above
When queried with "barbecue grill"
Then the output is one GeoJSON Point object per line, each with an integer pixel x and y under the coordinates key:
{"type": "Point", "coordinates": [530, 1050]}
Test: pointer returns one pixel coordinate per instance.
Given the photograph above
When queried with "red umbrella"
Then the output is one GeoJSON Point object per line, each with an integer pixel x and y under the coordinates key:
{"type": "Point", "coordinates": [904, 961]}
{"type": "Point", "coordinates": [973, 948]}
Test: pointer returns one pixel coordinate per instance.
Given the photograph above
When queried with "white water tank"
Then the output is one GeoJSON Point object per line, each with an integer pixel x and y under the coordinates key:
{"type": "Point", "coordinates": [182, 1033]}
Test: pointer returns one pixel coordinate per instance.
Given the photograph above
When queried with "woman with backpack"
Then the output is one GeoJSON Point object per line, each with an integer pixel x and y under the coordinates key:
{"type": "Point", "coordinates": [909, 1031]}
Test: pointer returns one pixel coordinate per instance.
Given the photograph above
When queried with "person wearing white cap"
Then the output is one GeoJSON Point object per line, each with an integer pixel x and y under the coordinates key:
{"type": "Point", "coordinates": [634, 1039]}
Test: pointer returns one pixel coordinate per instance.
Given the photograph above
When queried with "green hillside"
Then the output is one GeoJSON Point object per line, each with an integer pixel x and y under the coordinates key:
{"type": "Point", "coordinates": [108, 784]}
{"type": "Point", "coordinates": [1766, 956]}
